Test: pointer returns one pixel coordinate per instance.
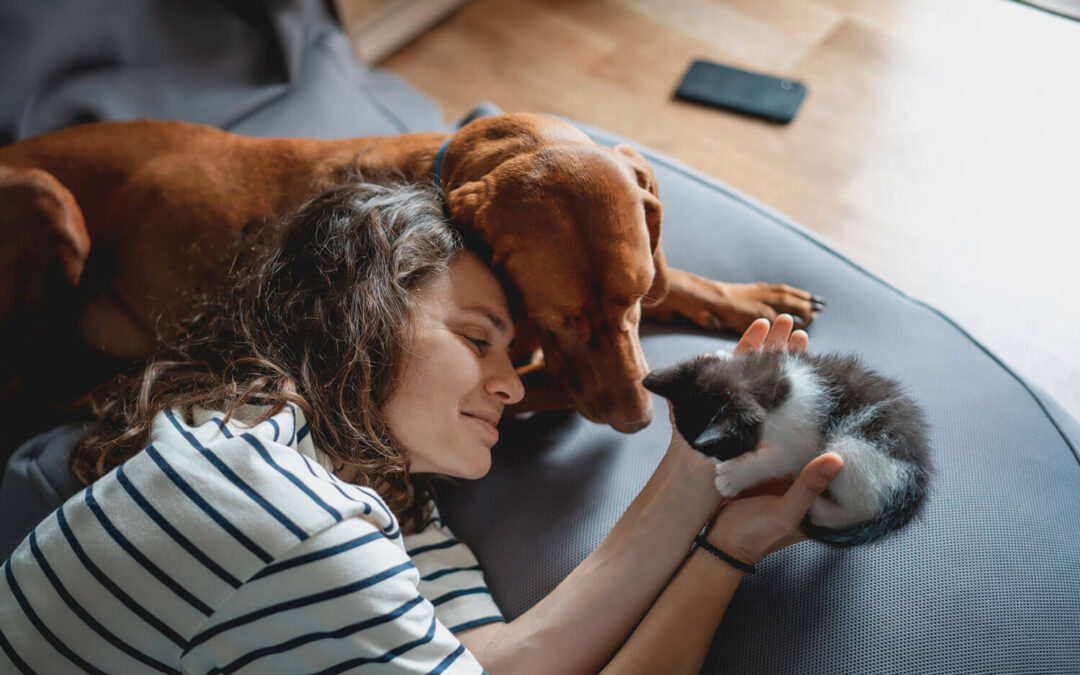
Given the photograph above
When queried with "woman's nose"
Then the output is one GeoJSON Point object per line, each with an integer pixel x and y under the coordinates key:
{"type": "Point", "coordinates": [505, 383]}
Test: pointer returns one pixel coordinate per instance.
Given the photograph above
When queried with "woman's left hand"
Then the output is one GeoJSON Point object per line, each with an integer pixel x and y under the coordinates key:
{"type": "Point", "coordinates": [777, 337]}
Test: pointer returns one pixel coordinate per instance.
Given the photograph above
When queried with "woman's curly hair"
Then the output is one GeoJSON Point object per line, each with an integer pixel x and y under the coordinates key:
{"type": "Point", "coordinates": [316, 310]}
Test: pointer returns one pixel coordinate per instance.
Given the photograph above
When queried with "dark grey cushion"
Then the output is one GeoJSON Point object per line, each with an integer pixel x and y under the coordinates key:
{"type": "Point", "coordinates": [988, 581]}
{"type": "Point", "coordinates": [266, 69]}
{"type": "Point", "coordinates": [36, 481]}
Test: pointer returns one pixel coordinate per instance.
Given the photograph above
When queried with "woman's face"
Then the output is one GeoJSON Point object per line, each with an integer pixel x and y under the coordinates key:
{"type": "Point", "coordinates": [456, 375]}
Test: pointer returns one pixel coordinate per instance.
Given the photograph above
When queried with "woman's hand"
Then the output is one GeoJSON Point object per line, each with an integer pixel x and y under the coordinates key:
{"type": "Point", "coordinates": [750, 528]}
{"type": "Point", "coordinates": [775, 338]}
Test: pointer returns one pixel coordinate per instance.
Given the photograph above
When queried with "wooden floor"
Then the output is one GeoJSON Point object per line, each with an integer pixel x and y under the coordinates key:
{"type": "Point", "coordinates": [939, 145]}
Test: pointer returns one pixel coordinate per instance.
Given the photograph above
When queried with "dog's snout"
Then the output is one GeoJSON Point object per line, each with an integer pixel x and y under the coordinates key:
{"type": "Point", "coordinates": [630, 416]}
{"type": "Point", "coordinates": [630, 427]}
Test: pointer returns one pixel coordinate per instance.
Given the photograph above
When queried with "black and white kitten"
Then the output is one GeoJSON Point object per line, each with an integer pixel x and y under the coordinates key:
{"type": "Point", "coordinates": [766, 415]}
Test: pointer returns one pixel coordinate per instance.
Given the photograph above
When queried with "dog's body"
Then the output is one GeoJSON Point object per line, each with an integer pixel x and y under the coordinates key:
{"type": "Point", "coordinates": [109, 226]}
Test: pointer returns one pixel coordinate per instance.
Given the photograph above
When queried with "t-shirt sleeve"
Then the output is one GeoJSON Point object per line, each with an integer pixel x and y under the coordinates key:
{"type": "Point", "coordinates": [343, 598]}
{"type": "Point", "coordinates": [450, 577]}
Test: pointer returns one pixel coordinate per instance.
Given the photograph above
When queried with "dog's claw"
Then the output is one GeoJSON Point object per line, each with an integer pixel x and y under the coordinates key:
{"type": "Point", "coordinates": [818, 302]}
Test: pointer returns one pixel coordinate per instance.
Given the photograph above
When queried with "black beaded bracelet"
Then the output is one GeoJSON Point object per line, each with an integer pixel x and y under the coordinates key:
{"type": "Point", "coordinates": [737, 564]}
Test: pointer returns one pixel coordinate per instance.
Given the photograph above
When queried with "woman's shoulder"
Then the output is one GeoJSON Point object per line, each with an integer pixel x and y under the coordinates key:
{"type": "Point", "coordinates": [433, 539]}
{"type": "Point", "coordinates": [450, 575]}
{"type": "Point", "coordinates": [264, 464]}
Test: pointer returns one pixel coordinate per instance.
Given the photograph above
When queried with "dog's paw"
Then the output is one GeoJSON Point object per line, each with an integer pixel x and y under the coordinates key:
{"type": "Point", "coordinates": [736, 306]}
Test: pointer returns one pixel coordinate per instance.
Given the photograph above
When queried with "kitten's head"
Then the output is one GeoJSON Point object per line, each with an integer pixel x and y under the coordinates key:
{"type": "Point", "coordinates": [721, 402]}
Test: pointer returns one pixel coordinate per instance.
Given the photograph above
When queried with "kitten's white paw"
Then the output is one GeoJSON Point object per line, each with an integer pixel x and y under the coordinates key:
{"type": "Point", "coordinates": [725, 481]}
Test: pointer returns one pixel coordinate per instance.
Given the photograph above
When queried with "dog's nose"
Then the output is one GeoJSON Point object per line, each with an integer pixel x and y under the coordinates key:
{"type": "Point", "coordinates": [631, 418]}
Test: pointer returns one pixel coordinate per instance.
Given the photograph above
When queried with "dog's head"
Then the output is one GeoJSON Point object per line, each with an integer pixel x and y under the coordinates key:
{"type": "Point", "coordinates": [575, 228]}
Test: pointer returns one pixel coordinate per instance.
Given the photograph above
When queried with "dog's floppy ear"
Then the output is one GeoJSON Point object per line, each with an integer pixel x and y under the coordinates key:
{"type": "Point", "coordinates": [46, 243]}
{"type": "Point", "coordinates": [466, 201]}
{"type": "Point", "coordinates": [654, 215]}
{"type": "Point", "coordinates": [659, 286]}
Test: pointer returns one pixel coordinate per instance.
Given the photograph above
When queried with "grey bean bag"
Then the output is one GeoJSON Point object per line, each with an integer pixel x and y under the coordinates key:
{"type": "Point", "coordinates": [988, 581]}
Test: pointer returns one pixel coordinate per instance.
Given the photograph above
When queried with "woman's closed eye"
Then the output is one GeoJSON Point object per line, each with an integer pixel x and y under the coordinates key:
{"type": "Point", "coordinates": [481, 345]}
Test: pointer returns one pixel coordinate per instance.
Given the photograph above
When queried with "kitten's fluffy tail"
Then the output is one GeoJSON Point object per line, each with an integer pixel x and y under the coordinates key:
{"type": "Point", "coordinates": [906, 506]}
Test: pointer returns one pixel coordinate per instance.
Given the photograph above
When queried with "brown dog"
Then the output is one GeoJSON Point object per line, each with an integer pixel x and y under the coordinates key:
{"type": "Point", "coordinates": [104, 223]}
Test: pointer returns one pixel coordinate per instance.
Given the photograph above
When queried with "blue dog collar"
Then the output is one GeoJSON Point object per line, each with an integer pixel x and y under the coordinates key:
{"type": "Point", "coordinates": [439, 161]}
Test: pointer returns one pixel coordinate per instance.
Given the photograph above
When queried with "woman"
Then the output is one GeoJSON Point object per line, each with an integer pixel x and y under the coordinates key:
{"type": "Point", "coordinates": [254, 483]}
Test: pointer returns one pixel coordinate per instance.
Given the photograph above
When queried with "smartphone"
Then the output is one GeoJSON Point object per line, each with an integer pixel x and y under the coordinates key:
{"type": "Point", "coordinates": [766, 96]}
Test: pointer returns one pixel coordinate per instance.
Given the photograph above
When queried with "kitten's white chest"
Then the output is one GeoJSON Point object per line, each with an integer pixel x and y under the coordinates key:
{"type": "Point", "coordinates": [795, 425]}
{"type": "Point", "coordinates": [790, 435]}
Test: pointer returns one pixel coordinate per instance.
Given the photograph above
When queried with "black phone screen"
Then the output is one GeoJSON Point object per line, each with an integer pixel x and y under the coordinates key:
{"type": "Point", "coordinates": [766, 96]}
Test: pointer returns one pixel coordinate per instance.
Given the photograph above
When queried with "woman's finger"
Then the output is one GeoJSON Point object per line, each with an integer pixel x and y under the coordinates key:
{"type": "Point", "coordinates": [754, 337]}
{"type": "Point", "coordinates": [812, 481]}
{"type": "Point", "coordinates": [778, 336]}
{"type": "Point", "coordinates": [798, 342]}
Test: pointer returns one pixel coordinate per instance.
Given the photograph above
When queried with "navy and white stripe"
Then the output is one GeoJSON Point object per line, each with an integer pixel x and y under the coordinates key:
{"type": "Point", "coordinates": [222, 548]}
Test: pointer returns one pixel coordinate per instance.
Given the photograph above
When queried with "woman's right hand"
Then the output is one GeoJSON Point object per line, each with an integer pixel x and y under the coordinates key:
{"type": "Point", "coordinates": [751, 528]}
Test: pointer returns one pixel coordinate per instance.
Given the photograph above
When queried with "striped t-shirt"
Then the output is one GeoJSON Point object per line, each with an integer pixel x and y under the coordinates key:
{"type": "Point", "coordinates": [231, 548]}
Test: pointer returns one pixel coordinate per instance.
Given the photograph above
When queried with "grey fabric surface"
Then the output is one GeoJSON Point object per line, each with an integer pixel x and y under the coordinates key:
{"type": "Point", "coordinates": [281, 67]}
{"type": "Point", "coordinates": [36, 481]}
{"type": "Point", "coordinates": [988, 581]}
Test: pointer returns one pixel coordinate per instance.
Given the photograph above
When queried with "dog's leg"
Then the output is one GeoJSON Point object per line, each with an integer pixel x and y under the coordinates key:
{"type": "Point", "coordinates": [716, 305]}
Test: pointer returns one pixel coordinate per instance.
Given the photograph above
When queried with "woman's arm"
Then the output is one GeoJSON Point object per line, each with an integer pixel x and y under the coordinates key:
{"type": "Point", "coordinates": [581, 624]}
{"type": "Point", "coordinates": [675, 635]}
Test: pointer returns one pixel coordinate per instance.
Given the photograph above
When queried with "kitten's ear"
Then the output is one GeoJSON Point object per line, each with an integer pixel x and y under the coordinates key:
{"type": "Point", "coordinates": [667, 382]}
{"type": "Point", "coordinates": [718, 428]}
{"type": "Point", "coordinates": [751, 412]}
{"type": "Point", "coordinates": [732, 420]}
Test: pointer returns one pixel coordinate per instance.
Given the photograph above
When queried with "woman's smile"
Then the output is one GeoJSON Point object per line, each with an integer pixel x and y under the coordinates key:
{"type": "Point", "coordinates": [488, 429]}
